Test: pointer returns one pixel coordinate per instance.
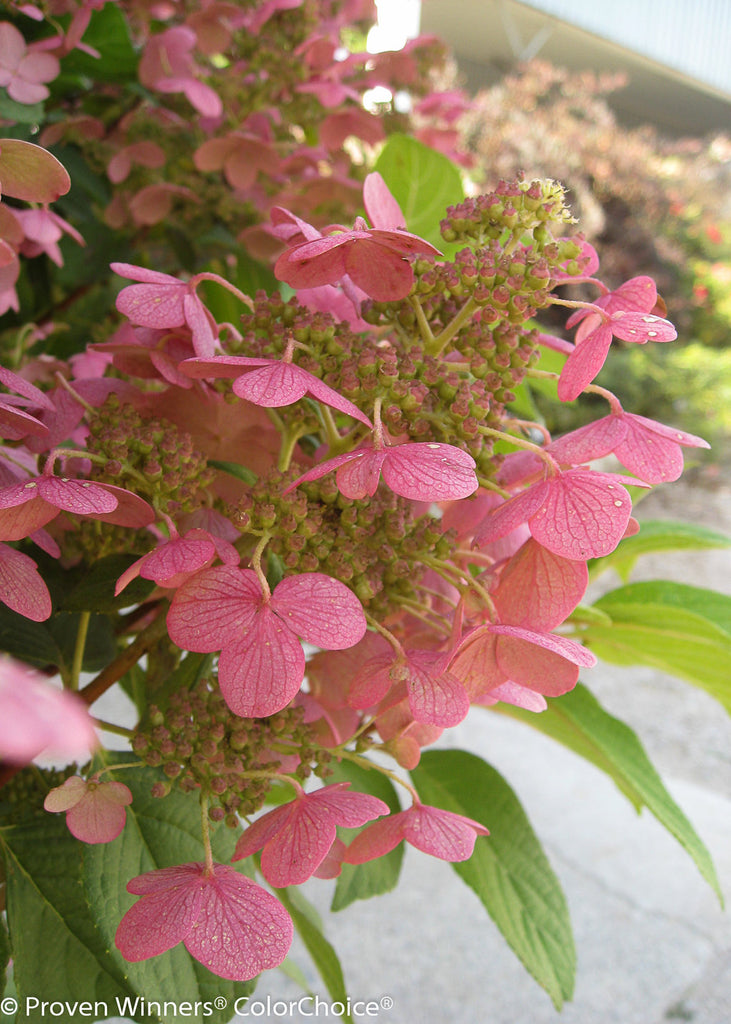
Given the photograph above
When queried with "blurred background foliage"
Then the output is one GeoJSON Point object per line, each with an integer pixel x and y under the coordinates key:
{"type": "Point", "coordinates": [650, 205]}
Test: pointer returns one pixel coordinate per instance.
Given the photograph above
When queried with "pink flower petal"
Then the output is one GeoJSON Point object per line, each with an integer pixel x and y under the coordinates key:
{"type": "Point", "coordinates": [511, 514]}
{"type": "Point", "coordinates": [153, 305]}
{"type": "Point", "coordinates": [100, 815]}
{"type": "Point", "coordinates": [381, 208]}
{"type": "Point", "coordinates": [427, 471]}
{"type": "Point", "coordinates": [243, 930]}
{"type": "Point", "coordinates": [539, 588]}
{"type": "Point", "coordinates": [642, 327]}
{"type": "Point", "coordinates": [584, 363]}
{"type": "Point", "coordinates": [593, 441]}
{"type": "Point", "coordinates": [215, 607]}
{"type": "Point", "coordinates": [321, 610]}
{"type": "Point", "coordinates": [66, 796]}
{"type": "Point", "coordinates": [22, 587]}
{"type": "Point", "coordinates": [79, 496]}
{"type": "Point", "coordinates": [261, 673]}
{"type": "Point", "coordinates": [436, 697]}
{"type": "Point", "coordinates": [584, 514]}
{"type": "Point", "coordinates": [164, 917]}
{"type": "Point", "coordinates": [441, 833]}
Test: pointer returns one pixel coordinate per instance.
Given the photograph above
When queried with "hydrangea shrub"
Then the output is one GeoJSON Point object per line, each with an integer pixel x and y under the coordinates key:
{"type": "Point", "coordinates": [271, 474]}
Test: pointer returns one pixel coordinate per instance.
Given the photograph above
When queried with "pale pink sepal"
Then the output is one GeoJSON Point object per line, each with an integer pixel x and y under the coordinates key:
{"type": "Point", "coordinates": [440, 833]}
{"type": "Point", "coordinates": [95, 811]}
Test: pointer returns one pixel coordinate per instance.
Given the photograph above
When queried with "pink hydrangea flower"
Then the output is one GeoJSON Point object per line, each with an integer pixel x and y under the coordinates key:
{"type": "Point", "coordinates": [423, 471]}
{"type": "Point", "coordinates": [14, 422]}
{"type": "Point", "coordinates": [228, 923]}
{"type": "Point", "coordinates": [493, 654]}
{"type": "Point", "coordinates": [23, 72]}
{"type": "Point", "coordinates": [37, 718]}
{"type": "Point", "coordinates": [262, 663]}
{"type": "Point", "coordinates": [178, 558]}
{"type": "Point", "coordinates": [373, 258]}
{"type": "Point", "coordinates": [30, 504]}
{"type": "Point", "coordinates": [435, 696]}
{"type": "Point", "coordinates": [162, 301]}
{"type": "Point", "coordinates": [43, 230]}
{"type": "Point", "coordinates": [95, 811]}
{"type": "Point", "coordinates": [594, 338]}
{"type": "Point", "coordinates": [577, 513]}
{"type": "Point", "coordinates": [440, 833]}
{"type": "Point", "coordinates": [167, 65]}
{"type": "Point", "coordinates": [271, 383]}
{"type": "Point", "coordinates": [296, 837]}
{"type": "Point", "coordinates": [9, 274]}
{"type": "Point", "coordinates": [647, 448]}
{"type": "Point", "coordinates": [539, 588]}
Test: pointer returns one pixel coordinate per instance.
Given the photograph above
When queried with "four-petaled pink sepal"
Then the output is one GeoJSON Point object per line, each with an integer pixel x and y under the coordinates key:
{"type": "Point", "coordinates": [296, 837]}
{"type": "Point", "coordinates": [95, 811]}
{"type": "Point", "coordinates": [440, 833]}
{"type": "Point", "coordinates": [227, 922]}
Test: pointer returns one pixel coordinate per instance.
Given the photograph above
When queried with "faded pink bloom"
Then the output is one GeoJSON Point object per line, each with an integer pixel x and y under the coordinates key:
{"type": "Point", "coordinates": [373, 258]}
{"type": "Point", "coordinates": [440, 833]}
{"type": "Point", "coordinates": [423, 471]}
{"type": "Point", "coordinates": [30, 504]}
{"type": "Point", "coordinates": [435, 696]}
{"type": "Point", "coordinates": [296, 837]}
{"type": "Point", "coordinates": [493, 654]}
{"type": "Point", "coordinates": [228, 923]}
{"type": "Point", "coordinates": [154, 203]}
{"type": "Point", "coordinates": [162, 301]}
{"type": "Point", "coordinates": [14, 422]}
{"type": "Point", "coordinates": [241, 156]}
{"type": "Point", "coordinates": [178, 558]}
{"type": "Point", "coordinates": [262, 663]}
{"type": "Point", "coordinates": [38, 718]}
{"type": "Point", "coordinates": [403, 737]}
{"type": "Point", "coordinates": [271, 382]}
{"type": "Point", "coordinates": [145, 153]}
{"type": "Point", "coordinates": [95, 811]}
{"type": "Point", "coordinates": [638, 295]}
{"type": "Point", "coordinates": [9, 274]}
{"type": "Point", "coordinates": [31, 173]}
{"type": "Point", "coordinates": [23, 70]}
{"type": "Point", "coordinates": [168, 66]}
{"type": "Point", "coordinates": [647, 448]}
{"type": "Point", "coordinates": [22, 587]}
{"type": "Point", "coordinates": [577, 513]}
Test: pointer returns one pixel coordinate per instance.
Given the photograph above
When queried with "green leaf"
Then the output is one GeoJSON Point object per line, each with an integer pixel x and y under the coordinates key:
{"type": "Point", "coordinates": [159, 833]}
{"type": "Point", "coordinates": [323, 955]}
{"type": "Point", "coordinates": [423, 182]}
{"type": "Point", "coordinates": [95, 589]}
{"type": "Point", "coordinates": [234, 469]}
{"type": "Point", "coordinates": [579, 722]}
{"type": "Point", "coordinates": [361, 881]}
{"type": "Point", "coordinates": [20, 113]}
{"type": "Point", "coordinates": [508, 870]}
{"type": "Point", "coordinates": [673, 627]}
{"type": "Point", "coordinates": [657, 535]}
{"type": "Point", "coordinates": [4, 955]}
{"type": "Point", "coordinates": [57, 952]}
{"type": "Point", "coordinates": [108, 32]}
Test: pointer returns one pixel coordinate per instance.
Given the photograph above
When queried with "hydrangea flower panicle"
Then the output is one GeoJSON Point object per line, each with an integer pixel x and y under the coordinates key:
{"type": "Point", "coordinates": [227, 922]}
{"type": "Point", "coordinates": [296, 837]}
{"type": "Point", "coordinates": [95, 811]}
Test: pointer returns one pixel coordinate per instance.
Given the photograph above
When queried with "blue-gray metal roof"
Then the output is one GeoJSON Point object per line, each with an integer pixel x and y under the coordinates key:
{"type": "Point", "coordinates": [691, 36]}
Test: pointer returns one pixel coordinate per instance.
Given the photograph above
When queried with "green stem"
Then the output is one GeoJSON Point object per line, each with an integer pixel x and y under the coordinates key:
{"type": "Point", "coordinates": [289, 442]}
{"type": "Point", "coordinates": [521, 442]}
{"type": "Point", "coordinates": [81, 633]}
{"type": "Point", "coordinates": [206, 831]}
{"type": "Point", "coordinates": [366, 763]}
{"type": "Point", "coordinates": [441, 340]}
{"type": "Point", "coordinates": [256, 565]}
{"type": "Point", "coordinates": [118, 730]}
{"type": "Point", "coordinates": [425, 330]}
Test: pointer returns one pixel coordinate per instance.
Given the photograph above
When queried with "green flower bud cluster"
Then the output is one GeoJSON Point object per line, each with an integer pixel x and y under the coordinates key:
{"type": "Point", "coordinates": [152, 456]}
{"type": "Point", "coordinates": [199, 743]}
{"type": "Point", "coordinates": [372, 545]}
{"type": "Point", "coordinates": [518, 207]}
